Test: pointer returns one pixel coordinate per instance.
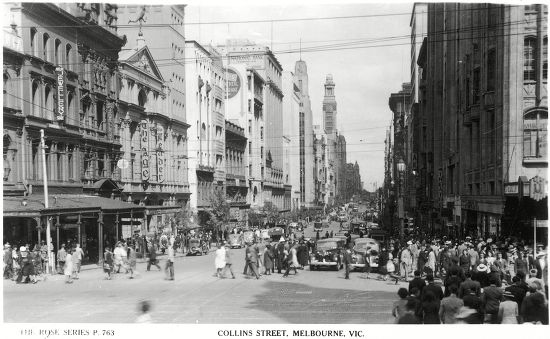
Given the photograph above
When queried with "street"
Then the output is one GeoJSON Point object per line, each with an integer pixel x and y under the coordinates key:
{"type": "Point", "coordinates": [197, 296]}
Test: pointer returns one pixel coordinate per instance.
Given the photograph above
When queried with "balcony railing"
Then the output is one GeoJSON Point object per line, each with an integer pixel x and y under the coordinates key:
{"type": "Point", "coordinates": [219, 119]}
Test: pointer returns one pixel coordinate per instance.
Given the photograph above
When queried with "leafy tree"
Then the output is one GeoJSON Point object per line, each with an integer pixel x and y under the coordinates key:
{"type": "Point", "coordinates": [219, 212]}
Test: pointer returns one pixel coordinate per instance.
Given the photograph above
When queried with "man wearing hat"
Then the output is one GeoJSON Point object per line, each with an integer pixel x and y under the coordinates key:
{"type": "Point", "coordinates": [8, 261]}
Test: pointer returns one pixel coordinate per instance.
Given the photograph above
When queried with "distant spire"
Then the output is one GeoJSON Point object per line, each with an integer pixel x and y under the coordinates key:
{"type": "Point", "coordinates": [300, 49]}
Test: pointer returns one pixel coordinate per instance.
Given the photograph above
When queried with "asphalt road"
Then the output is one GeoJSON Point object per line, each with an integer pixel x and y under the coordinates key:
{"type": "Point", "coordinates": [197, 296]}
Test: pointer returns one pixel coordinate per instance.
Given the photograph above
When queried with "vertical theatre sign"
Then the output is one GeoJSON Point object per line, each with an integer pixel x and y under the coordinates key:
{"type": "Point", "coordinates": [161, 163]}
{"type": "Point", "coordinates": [144, 134]}
{"type": "Point", "coordinates": [61, 94]}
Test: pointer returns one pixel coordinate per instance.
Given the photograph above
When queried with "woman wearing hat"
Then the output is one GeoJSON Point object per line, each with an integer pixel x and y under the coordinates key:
{"type": "Point", "coordinates": [508, 309]}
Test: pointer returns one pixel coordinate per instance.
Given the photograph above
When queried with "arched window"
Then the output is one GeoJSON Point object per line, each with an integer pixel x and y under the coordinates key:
{"type": "Point", "coordinates": [58, 56]}
{"type": "Point", "coordinates": [7, 162]}
{"type": "Point", "coordinates": [530, 59]}
{"type": "Point", "coordinates": [142, 98]}
{"type": "Point", "coordinates": [535, 133]}
{"type": "Point", "coordinates": [7, 99]}
{"type": "Point", "coordinates": [48, 102]}
{"type": "Point", "coordinates": [46, 47]}
{"type": "Point", "coordinates": [35, 99]}
{"type": "Point", "coordinates": [68, 58]}
{"type": "Point", "coordinates": [33, 42]}
{"type": "Point", "coordinates": [70, 108]}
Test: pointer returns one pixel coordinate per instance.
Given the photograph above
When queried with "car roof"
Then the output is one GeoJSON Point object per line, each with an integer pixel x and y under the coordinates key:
{"type": "Point", "coordinates": [360, 240]}
{"type": "Point", "coordinates": [330, 239]}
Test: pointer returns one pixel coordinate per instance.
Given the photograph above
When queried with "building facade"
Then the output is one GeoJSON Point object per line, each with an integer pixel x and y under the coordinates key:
{"type": "Point", "coordinates": [292, 138]}
{"type": "Point", "coordinates": [265, 107]}
{"type": "Point", "coordinates": [154, 152]}
{"type": "Point", "coordinates": [306, 137]}
{"type": "Point", "coordinates": [205, 88]}
{"type": "Point", "coordinates": [340, 169]}
{"type": "Point", "coordinates": [329, 126]}
{"type": "Point", "coordinates": [482, 113]}
{"type": "Point", "coordinates": [62, 83]}
{"type": "Point", "coordinates": [399, 104]}
{"type": "Point", "coordinates": [236, 183]}
{"type": "Point", "coordinates": [320, 165]}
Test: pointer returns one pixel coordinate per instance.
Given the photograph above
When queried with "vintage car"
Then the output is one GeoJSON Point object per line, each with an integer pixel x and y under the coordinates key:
{"type": "Point", "coordinates": [275, 233]}
{"type": "Point", "coordinates": [362, 247]}
{"type": "Point", "coordinates": [196, 247]}
{"type": "Point", "coordinates": [235, 240]}
{"type": "Point", "coordinates": [327, 253]}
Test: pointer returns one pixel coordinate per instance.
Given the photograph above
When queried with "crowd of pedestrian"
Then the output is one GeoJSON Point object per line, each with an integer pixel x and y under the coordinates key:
{"type": "Point", "coordinates": [478, 281]}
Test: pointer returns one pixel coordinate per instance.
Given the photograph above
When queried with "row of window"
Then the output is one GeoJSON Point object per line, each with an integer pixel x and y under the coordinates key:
{"type": "Point", "coordinates": [51, 50]}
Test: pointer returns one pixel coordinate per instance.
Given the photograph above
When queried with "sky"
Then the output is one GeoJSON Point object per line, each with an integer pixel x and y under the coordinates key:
{"type": "Point", "coordinates": [369, 60]}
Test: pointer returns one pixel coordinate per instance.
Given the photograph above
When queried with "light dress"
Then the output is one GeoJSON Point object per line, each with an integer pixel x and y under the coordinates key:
{"type": "Point", "coordinates": [509, 311]}
{"type": "Point", "coordinates": [68, 269]}
{"type": "Point", "coordinates": [219, 261]}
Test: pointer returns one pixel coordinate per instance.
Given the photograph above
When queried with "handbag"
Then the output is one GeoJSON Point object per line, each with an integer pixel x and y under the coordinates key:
{"type": "Point", "coordinates": [106, 266]}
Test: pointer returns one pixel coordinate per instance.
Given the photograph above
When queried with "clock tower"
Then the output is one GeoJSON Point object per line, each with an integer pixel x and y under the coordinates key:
{"type": "Point", "coordinates": [329, 107]}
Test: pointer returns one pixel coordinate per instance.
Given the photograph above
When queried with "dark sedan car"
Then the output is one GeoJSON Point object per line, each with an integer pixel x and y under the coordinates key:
{"type": "Point", "coordinates": [327, 253]}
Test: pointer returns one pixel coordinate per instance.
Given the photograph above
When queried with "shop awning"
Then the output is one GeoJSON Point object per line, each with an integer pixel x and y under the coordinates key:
{"type": "Point", "coordinates": [33, 206]}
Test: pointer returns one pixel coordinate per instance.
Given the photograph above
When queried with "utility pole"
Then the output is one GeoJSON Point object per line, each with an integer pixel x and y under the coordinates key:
{"type": "Point", "coordinates": [45, 177]}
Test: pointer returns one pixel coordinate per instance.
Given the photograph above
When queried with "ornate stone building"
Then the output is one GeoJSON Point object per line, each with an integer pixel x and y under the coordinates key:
{"type": "Point", "coordinates": [154, 144]}
{"type": "Point", "coordinates": [60, 63]}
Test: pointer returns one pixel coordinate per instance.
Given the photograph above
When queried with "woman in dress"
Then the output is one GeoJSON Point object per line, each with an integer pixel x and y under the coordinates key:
{"type": "Point", "coordinates": [68, 268]}
{"type": "Point", "coordinates": [268, 259]}
{"type": "Point", "coordinates": [219, 260]}
{"type": "Point", "coordinates": [508, 309]}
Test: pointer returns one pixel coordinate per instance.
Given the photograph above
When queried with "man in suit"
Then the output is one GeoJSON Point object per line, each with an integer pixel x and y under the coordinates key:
{"type": "Point", "coordinates": [347, 261]}
{"type": "Point", "coordinates": [469, 284]}
{"type": "Point", "coordinates": [522, 264]}
{"type": "Point", "coordinates": [253, 260]}
{"type": "Point", "coordinates": [417, 282]}
{"type": "Point", "coordinates": [432, 287]}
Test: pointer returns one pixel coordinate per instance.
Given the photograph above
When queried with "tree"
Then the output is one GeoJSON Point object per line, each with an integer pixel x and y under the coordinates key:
{"type": "Point", "coordinates": [271, 212]}
{"type": "Point", "coordinates": [219, 212]}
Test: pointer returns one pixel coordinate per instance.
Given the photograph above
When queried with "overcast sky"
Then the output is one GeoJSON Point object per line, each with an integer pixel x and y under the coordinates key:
{"type": "Point", "coordinates": [364, 75]}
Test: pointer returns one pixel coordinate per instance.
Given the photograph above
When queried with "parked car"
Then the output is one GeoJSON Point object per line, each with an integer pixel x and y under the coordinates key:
{"type": "Point", "coordinates": [361, 248]}
{"type": "Point", "coordinates": [327, 253]}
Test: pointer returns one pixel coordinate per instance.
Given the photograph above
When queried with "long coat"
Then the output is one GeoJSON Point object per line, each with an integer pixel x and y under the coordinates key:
{"type": "Point", "coordinates": [268, 258]}
{"type": "Point", "coordinates": [303, 255]}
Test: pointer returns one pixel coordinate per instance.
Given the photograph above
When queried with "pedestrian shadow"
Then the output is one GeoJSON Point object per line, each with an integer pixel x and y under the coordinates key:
{"type": "Point", "coordinates": [298, 303]}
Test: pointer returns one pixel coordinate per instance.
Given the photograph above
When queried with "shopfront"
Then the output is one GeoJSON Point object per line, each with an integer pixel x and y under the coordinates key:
{"type": "Point", "coordinates": [73, 219]}
{"type": "Point", "coordinates": [526, 208]}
